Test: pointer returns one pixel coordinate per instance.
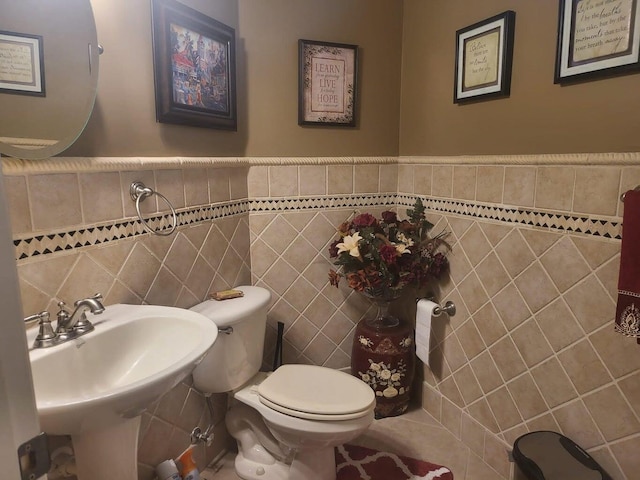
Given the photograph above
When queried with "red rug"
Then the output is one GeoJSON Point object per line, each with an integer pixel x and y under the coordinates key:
{"type": "Point", "coordinates": [360, 463]}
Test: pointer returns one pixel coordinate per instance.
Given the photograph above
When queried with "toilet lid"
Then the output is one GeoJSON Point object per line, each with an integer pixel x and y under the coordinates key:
{"type": "Point", "coordinates": [316, 393]}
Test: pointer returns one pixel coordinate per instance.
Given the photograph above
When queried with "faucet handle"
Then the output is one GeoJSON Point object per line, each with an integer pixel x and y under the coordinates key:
{"type": "Point", "coordinates": [62, 316]}
{"type": "Point", "coordinates": [46, 336]}
{"type": "Point", "coordinates": [63, 312]}
{"type": "Point", "coordinates": [42, 316]}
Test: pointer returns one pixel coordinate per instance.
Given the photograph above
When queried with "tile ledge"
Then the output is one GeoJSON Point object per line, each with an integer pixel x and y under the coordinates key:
{"type": "Point", "coordinates": [559, 159]}
{"type": "Point", "coordinates": [16, 166]}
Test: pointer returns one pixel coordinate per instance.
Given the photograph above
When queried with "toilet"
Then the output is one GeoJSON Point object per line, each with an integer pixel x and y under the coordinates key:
{"type": "Point", "coordinates": [287, 422]}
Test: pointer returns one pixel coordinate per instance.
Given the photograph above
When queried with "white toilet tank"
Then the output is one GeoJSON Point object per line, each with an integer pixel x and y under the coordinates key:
{"type": "Point", "coordinates": [235, 357]}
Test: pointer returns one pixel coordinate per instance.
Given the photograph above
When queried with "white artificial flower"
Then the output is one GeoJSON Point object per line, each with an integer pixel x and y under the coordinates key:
{"type": "Point", "coordinates": [350, 244]}
{"type": "Point", "coordinates": [401, 248]}
{"type": "Point", "coordinates": [385, 374]}
{"type": "Point", "coordinates": [390, 392]}
{"type": "Point", "coordinates": [395, 377]}
{"type": "Point", "coordinates": [375, 367]}
{"type": "Point", "coordinates": [404, 239]}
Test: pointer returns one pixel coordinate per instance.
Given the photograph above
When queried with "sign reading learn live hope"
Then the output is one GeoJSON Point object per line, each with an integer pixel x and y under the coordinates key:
{"type": "Point", "coordinates": [327, 83]}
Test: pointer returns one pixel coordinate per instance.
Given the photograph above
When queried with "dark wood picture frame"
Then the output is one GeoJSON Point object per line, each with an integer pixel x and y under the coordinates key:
{"type": "Point", "coordinates": [21, 64]}
{"type": "Point", "coordinates": [327, 83]}
{"type": "Point", "coordinates": [597, 40]}
{"type": "Point", "coordinates": [484, 58]}
{"type": "Point", "coordinates": [194, 67]}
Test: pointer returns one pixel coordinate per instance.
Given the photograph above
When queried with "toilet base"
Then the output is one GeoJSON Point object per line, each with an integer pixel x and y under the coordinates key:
{"type": "Point", "coordinates": [250, 470]}
{"type": "Point", "coordinates": [317, 464]}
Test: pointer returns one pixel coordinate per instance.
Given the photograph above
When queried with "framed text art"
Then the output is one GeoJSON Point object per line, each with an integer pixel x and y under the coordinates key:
{"type": "Point", "coordinates": [597, 38]}
{"type": "Point", "coordinates": [484, 54]}
{"type": "Point", "coordinates": [327, 83]}
{"type": "Point", "coordinates": [194, 66]}
{"type": "Point", "coordinates": [21, 64]}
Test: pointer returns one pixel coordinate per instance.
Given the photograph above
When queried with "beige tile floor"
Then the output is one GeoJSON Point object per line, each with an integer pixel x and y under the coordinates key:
{"type": "Point", "coordinates": [415, 434]}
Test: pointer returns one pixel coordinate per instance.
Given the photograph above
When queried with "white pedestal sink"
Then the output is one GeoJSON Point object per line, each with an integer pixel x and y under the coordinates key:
{"type": "Point", "coordinates": [95, 387]}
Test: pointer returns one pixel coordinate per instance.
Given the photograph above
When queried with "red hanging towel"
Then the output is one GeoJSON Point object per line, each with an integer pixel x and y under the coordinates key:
{"type": "Point", "coordinates": [628, 310]}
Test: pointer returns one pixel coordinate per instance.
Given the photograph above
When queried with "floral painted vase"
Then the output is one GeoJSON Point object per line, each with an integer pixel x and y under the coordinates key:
{"type": "Point", "coordinates": [383, 356]}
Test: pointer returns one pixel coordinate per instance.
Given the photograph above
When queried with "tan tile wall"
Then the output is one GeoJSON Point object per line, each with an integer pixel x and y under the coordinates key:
{"type": "Point", "coordinates": [532, 346]}
{"type": "Point", "coordinates": [289, 257]}
{"type": "Point", "coordinates": [535, 306]}
{"type": "Point", "coordinates": [177, 270]}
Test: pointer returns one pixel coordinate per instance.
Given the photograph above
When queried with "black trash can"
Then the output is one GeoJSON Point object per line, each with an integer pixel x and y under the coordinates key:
{"type": "Point", "coordinates": [546, 455]}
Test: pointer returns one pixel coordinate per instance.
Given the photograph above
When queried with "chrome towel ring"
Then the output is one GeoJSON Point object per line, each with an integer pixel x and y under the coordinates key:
{"type": "Point", "coordinates": [139, 192]}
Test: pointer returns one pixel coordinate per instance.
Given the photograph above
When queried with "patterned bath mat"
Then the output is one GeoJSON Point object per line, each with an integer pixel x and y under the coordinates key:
{"type": "Point", "coordinates": [360, 463]}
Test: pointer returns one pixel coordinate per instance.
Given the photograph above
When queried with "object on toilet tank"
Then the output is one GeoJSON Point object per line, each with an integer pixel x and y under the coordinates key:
{"type": "Point", "coordinates": [226, 294]}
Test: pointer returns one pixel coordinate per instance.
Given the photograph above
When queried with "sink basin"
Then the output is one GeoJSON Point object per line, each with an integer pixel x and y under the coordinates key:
{"type": "Point", "coordinates": [95, 384]}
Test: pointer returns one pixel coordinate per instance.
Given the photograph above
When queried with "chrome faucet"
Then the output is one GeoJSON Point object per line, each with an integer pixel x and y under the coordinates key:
{"type": "Point", "coordinates": [76, 324]}
{"type": "Point", "coordinates": [70, 325]}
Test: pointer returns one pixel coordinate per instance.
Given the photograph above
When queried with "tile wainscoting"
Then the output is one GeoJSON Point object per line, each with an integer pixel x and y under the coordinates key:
{"type": "Point", "coordinates": [534, 271]}
{"type": "Point", "coordinates": [76, 233]}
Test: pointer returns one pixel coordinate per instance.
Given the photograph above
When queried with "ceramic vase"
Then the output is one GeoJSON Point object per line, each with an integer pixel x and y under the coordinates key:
{"type": "Point", "coordinates": [383, 356]}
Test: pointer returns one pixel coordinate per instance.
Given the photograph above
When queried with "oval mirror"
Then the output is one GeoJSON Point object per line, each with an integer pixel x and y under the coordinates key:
{"type": "Point", "coordinates": [48, 75]}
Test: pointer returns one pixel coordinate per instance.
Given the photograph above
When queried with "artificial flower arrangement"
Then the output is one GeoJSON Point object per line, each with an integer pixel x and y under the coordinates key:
{"type": "Point", "coordinates": [380, 257]}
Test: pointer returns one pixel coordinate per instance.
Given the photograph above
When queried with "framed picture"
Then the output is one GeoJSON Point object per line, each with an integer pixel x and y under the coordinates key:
{"type": "Point", "coordinates": [597, 38]}
{"type": "Point", "coordinates": [327, 83]}
{"type": "Point", "coordinates": [194, 63]}
{"type": "Point", "coordinates": [21, 64]}
{"type": "Point", "coordinates": [484, 54]}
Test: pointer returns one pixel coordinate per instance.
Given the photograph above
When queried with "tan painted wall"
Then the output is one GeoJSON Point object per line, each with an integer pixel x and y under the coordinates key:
{"type": "Point", "coordinates": [538, 117]}
{"type": "Point", "coordinates": [123, 122]}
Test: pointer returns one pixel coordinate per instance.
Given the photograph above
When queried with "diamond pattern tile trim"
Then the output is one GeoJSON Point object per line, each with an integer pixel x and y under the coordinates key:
{"type": "Point", "coordinates": [99, 234]}
{"type": "Point", "coordinates": [558, 222]}
{"type": "Point", "coordinates": [44, 244]}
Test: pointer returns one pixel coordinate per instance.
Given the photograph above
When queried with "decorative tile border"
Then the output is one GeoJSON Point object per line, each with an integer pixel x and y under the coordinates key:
{"type": "Point", "coordinates": [53, 242]}
{"type": "Point", "coordinates": [607, 227]}
{"type": "Point", "coordinates": [44, 244]}
{"type": "Point", "coordinates": [317, 203]}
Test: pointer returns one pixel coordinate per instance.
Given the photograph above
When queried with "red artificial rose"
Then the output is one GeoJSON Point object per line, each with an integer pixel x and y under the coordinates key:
{"type": "Point", "coordinates": [389, 217]}
{"type": "Point", "coordinates": [364, 220]}
{"type": "Point", "coordinates": [388, 254]}
{"type": "Point", "coordinates": [333, 248]}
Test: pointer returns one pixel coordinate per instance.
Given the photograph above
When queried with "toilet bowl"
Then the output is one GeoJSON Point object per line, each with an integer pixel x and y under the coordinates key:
{"type": "Point", "coordinates": [287, 422]}
{"type": "Point", "coordinates": [305, 437]}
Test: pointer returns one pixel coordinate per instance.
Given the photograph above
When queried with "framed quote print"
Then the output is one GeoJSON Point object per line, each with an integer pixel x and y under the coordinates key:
{"type": "Point", "coordinates": [484, 54]}
{"type": "Point", "coordinates": [21, 64]}
{"type": "Point", "coordinates": [327, 83]}
{"type": "Point", "coordinates": [597, 38]}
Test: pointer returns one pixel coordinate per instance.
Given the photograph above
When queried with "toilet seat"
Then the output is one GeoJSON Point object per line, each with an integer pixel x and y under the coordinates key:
{"type": "Point", "coordinates": [309, 392]}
